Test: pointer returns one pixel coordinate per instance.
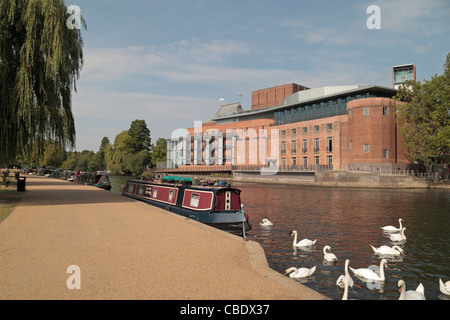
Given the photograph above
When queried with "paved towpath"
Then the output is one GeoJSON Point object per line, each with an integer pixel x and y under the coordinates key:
{"type": "Point", "coordinates": [126, 249]}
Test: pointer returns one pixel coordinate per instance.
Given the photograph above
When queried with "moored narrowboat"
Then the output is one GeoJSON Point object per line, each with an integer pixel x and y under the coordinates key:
{"type": "Point", "coordinates": [217, 206]}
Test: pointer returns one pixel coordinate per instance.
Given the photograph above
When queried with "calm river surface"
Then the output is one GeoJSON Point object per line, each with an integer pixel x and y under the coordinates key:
{"type": "Point", "coordinates": [349, 220]}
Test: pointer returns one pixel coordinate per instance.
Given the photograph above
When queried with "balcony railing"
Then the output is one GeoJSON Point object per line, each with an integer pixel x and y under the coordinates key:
{"type": "Point", "coordinates": [247, 167]}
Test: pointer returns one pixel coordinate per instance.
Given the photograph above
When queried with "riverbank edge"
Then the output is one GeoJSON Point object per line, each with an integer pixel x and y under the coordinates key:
{"type": "Point", "coordinates": [330, 185]}
{"type": "Point", "coordinates": [371, 181]}
{"type": "Point", "coordinates": [258, 261]}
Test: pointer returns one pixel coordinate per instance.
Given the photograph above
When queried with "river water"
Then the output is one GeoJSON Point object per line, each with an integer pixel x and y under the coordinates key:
{"type": "Point", "coordinates": [349, 220]}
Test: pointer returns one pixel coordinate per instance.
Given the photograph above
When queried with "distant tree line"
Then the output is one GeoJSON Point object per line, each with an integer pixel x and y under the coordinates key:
{"type": "Point", "coordinates": [131, 153]}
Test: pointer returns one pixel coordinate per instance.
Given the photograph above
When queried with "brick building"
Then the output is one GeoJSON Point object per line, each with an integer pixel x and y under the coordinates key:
{"type": "Point", "coordinates": [296, 128]}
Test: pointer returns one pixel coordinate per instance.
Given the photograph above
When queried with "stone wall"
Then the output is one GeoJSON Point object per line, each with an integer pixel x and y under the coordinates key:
{"type": "Point", "coordinates": [333, 179]}
{"type": "Point", "coordinates": [369, 180]}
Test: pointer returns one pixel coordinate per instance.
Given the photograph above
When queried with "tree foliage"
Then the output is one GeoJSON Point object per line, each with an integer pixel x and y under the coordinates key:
{"type": "Point", "coordinates": [130, 152]}
{"type": "Point", "coordinates": [139, 136]}
{"type": "Point", "coordinates": [118, 157]}
{"type": "Point", "coordinates": [159, 152]}
{"type": "Point", "coordinates": [40, 60]}
{"type": "Point", "coordinates": [424, 117]}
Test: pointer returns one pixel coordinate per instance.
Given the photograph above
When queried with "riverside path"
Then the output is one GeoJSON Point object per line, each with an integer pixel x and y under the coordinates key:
{"type": "Point", "coordinates": [125, 249]}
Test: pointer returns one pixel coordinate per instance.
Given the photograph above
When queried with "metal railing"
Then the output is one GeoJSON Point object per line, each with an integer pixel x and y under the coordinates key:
{"type": "Point", "coordinates": [249, 168]}
{"type": "Point", "coordinates": [382, 172]}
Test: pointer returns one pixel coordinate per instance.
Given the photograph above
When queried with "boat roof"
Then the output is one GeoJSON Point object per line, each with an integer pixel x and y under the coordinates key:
{"type": "Point", "coordinates": [216, 187]}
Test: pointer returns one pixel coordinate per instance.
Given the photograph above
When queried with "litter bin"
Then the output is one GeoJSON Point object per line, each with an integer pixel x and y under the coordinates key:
{"type": "Point", "coordinates": [21, 183]}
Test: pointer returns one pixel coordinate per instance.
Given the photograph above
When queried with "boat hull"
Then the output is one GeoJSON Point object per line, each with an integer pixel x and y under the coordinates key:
{"type": "Point", "coordinates": [232, 221]}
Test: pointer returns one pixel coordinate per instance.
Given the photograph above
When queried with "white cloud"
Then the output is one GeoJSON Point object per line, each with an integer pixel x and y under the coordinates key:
{"type": "Point", "coordinates": [100, 113]}
{"type": "Point", "coordinates": [171, 61]}
{"type": "Point", "coordinates": [414, 16]}
{"type": "Point", "coordinates": [402, 21]}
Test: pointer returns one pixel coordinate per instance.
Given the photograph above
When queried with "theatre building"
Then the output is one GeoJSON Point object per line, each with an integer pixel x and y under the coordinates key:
{"type": "Point", "coordinates": [293, 127]}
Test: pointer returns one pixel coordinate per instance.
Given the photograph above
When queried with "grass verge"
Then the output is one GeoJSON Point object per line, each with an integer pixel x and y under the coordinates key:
{"type": "Point", "coordinates": [9, 198]}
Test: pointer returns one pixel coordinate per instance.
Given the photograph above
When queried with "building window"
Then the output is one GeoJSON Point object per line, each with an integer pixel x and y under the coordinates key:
{"type": "Point", "coordinates": [329, 127]}
{"type": "Point", "coordinates": [316, 129]}
{"type": "Point", "coordinates": [366, 112]}
{"type": "Point", "coordinates": [283, 163]}
{"type": "Point", "coordinates": [316, 160]}
{"type": "Point", "coordinates": [305, 131]}
{"type": "Point", "coordinates": [350, 113]}
{"type": "Point", "coordinates": [305, 162]}
{"type": "Point", "coordinates": [316, 145]}
{"type": "Point", "coordinates": [366, 148]}
{"type": "Point", "coordinates": [283, 147]}
{"type": "Point", "coordinates": [283, 133]}
{"type": "Point", "coordinates": [305, 146]}
{"type": "Point", "coordinates": [329, 160]}
{"type": "Point", "coordinates": [385, 111]}
{"type": "Point", "coordinates": [385, 154]}
{"type": "Point", "coordinates": [294, 147]}
{"type": "Point", "coordinates": [294, 161]}
{"type": "Point", "coordinates": [330, 144]}
{"type": "Point", "coordinates": [294, 132]}
{"type": "Point", "coordinates": [350, 145]}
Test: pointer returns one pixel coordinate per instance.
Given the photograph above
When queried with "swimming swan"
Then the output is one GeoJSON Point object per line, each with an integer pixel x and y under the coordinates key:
{"type": "Point", "coordinates": [392, 228]}
{"type": "Point", "coordinates": [345, 295]}
{"type": "Point", "coordinates": [300, 272]}
{"type": "Point", "coordinates": [266, 223]}
{"type": "Point", "coordinates": [302, 243]}
{"type": "Point", "coordinates": [444, 287]}
{"type": "Point", "coordinates": [394, 251]}
{"type": "Point", "coordinates": [369, 274]}
{"type": "Point", "coordinates": [328, 255]}
{"type": "Point", "coordinates": [340, 281]}
{"type": "Point", "coordinates": [398, 236]}
{"type": "Point", "coordinates": [418, 294]}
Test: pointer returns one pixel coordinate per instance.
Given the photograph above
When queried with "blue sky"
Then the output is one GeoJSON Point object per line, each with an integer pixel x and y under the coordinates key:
{"type": "Point", "coordinates": [169, 62]}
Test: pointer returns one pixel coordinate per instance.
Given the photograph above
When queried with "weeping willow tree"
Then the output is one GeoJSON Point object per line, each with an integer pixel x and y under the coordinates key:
{"type": "Point", "coordinates": [40, 61]}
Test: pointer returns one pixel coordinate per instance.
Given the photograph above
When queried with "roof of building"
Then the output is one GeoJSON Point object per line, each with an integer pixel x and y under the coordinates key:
{"type": "Point", "coordinates": [305, 97]}
{"type": "Point", "coordinates": [228, 110]}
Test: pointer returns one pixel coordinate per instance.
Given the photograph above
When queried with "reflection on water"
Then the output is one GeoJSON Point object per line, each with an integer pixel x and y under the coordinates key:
{"type": "Point", "coordinates": [349, 220]}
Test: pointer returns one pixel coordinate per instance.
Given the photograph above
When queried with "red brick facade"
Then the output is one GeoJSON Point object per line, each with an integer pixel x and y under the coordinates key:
{"type": "Point", "coordinates": [373, 134]}
{"type": "Point", "coordinates": [274, 96]}
{"type": "Point", "coordinates": [365, 136]}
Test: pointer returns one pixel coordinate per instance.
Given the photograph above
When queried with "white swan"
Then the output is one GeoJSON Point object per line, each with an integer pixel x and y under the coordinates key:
{"type": "Point", "coordinates": [398, 236]}
{"type": "Point", "coordinates": [301, 243]}
{"type": "Point", "coordinates": [266, 223]}
{"type": "Point", "coordinates": [340, 281]}
{"type": "Point", "coordinates": [345, 295]}
{"type": "Point", "coordinates": [369, 274]}
{"type": "Point", "coordinates": [394, 251]}
{"type": "Point", "coordinates": [418, 294]}
{"type": "Point", "coordinates": [300, 272]}
{"type": "Point", "coordinates": [328, 255]}
{"type": "Point", "coordinates": [444, 287]}
{"type": "Point", "coordinates": [392, 228]}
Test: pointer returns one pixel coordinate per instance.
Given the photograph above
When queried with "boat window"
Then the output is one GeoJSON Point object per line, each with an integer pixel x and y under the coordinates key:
{"type": "Point", "coordinates": [155, 192]}
{"type": "Point", "coordinates": [171, 192]}
{"type": "Point", "coordinates": [195, 199]}
{"type": "Point", "coordinates": [148, 192]}
{"type": "Point", "coordinates": [141, 190]}
{"type": "Point", "coordinates": [130, 188]}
